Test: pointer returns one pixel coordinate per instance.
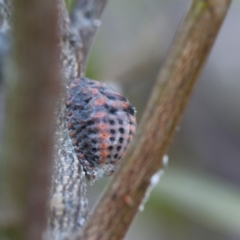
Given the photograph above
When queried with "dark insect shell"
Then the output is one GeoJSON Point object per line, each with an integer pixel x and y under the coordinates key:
{"type": "Point", "coordinates": [101, 124]}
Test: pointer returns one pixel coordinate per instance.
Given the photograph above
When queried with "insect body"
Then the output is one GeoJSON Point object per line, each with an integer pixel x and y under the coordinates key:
{"type": "Point", "coordinates": [101, 124]}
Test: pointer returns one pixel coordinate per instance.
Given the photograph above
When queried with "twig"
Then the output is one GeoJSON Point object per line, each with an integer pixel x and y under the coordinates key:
{"type": "Point", "coordinates": [85, 18]}
{"type": "Point", "coordinates": [68, 202]}
{"type": "Point", "coordinates": [115, 211]}
{"type": "Point", "coordinates": [4, 49]}
{"type": "Point", "coordinates": [5, 14]}
{"type": "Point", "coordinates": [32, 91]}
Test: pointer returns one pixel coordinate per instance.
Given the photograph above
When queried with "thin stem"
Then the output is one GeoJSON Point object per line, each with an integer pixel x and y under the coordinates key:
{"type": "Point", "coordinates": [120, 203]}
{"type": "Point", "coordinates": [85, 18]}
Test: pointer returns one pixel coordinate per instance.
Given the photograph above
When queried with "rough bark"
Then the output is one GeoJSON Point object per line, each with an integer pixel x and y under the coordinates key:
{"type": "Point", "coordinates": [68, 202]}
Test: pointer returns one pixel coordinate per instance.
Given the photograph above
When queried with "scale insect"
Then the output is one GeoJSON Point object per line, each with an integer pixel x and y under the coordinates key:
{"type": "Point", "coordinates": [101, 124]}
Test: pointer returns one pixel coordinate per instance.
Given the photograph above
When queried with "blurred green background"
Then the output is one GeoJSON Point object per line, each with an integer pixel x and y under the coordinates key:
{"type": "Point", "coordinates": [199, 195]}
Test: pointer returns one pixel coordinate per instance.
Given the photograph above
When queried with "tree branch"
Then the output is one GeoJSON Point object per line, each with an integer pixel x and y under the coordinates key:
{"type": "Point", "coordinates": [5, 14]}
{"type": "Point", "coordinates": [115, 211]}
{"type": "Point", "coordinates": [68, 202]}
{"type": "Point", "coordinates": [85, 18]}
{"type": "Point", "coordinates": [4, 49]}
{"type": "Point", "coordinates": [32, 85]}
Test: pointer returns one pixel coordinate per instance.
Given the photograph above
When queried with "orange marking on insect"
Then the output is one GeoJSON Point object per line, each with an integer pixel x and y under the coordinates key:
{"type": "Point", "coordinates": [84, 90]}
{"type": "Point", "coordinates": [80, 155]}
{"type": "Point", "coordinates": [99, 115]}
{"type": "Point", "coordinates": [74, 142]}
{"type": "Point", "coordinates": [93, 90]}
{"type": "Point", "coordinates": [102, 126]}
{"type": "Point", "coordinates": [103, 145]}
{"type": "Point", "coordinates": [115, 104]}
{"type": "Point", "coordinates": [132, 129]}
{"type": "Point", "coordinates": [68, 103]}
{"type": "Point", "coordinates": [104, 135]}
{"type": "Point", "coordinates": [72, 134]}
{"type": "Point", "coordinates": [100, 101]}
{"type": "Point", "coordinates": [132, 119]}
{"type": "Point", "coordinates": [102, 160]}
{"type": "Point", "coordinates": [77, 149]}
{"type": "Point", "coordinates": [124, 105]}
{"type": "Point", "coordinates": [104, 153]}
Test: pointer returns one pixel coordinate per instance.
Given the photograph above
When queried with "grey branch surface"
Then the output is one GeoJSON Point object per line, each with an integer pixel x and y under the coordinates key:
{"type": "Point", "coordinates": [4, 47]}
{"type": "Point", "coordinates": [68, 202]}
{"type": "Point", "coordinates": [85, 19]}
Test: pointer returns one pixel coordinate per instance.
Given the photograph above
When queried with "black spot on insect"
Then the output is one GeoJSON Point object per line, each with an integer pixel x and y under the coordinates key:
{"type": "Point", "coordinates": [91, 122]}
{"type": "Point", "coordinates": [121, 140]}
{"type": "Point", "coordinates": [112, 139]}
{"type": "Point", "coordinates": [120, 121]}
{"type": "Point", "coordinates": [91, 163]}
{"type": "Point", "coordinates": [110, 148]}
{"type": "Point", "coordinates": [92, 131]}
{"type": "Point", "coordinates": [94, 149]}
{"type": "Point", "coordinates": [94, 141]}
{"type": "Point", "coordinates": [119, 148]}
{"type": "Point", "coordinates": [115, 156]}
{"type": "Point", "coordinates": [75, 108]}
{"type": "Point", "coordinates": [112, 131]}
{"type": "Point", "coordinates": [130, 110]}
{"type": "Point", "coordinates": [111, 122]}
{"type": "Point", "coordinates": [111, 97]}
{"type": "Point", "coordinates": [122, 98]}
{"type": "Point", "coordinates": [85, 145]}
{"type": "Point", "coordinates": [85, 136]}
{"type": "Point", "coordinates": [121, 130]}
{"type": "Point", "coordinates": [106, 106]}
{"type": "Point", "coordinates": [112, 110]}
{"type": "Point", "coordinates": [91, 82]}
{"type": "Point", "coordinates": [79, 129]}
{"type": "Point", "coordinates": [87, 100]}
